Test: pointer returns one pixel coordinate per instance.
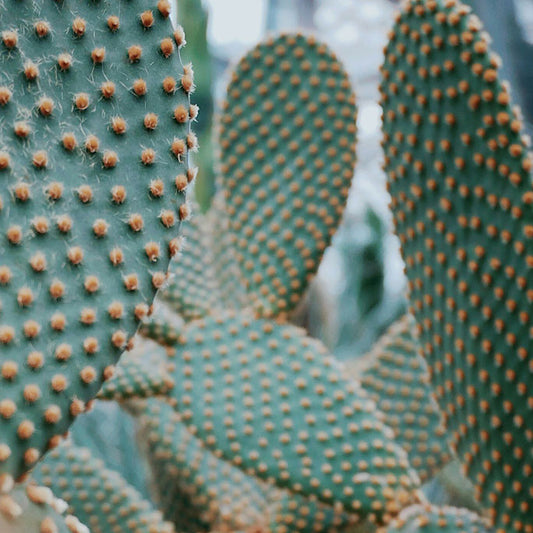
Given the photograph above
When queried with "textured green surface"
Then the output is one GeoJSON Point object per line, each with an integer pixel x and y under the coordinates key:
{"type": "Point", "coordinates": [428, 519]}
{"type": "Point", "coordinates": [140, 373]}
{"type": "Point", "coordinates": [269, 399]}
{"type": "Point", "coordinates": [195, 490]}
{"type": "Point", "coordinates": [32, 509]}
{"type": "Point", "coordinates": [287, 155]}
{"type": "Point", "coordinates": [398, 381]}
{"type": "Point", "coordinates": [98, 496]}
{"type": "Point", "coordinates": [462, 198]}
{"type": "Point", "coordinates": [83, 244]}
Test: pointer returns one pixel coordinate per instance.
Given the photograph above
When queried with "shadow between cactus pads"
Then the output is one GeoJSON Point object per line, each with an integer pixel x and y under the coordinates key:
{"type": "Point", "coordinates": [95, 134]}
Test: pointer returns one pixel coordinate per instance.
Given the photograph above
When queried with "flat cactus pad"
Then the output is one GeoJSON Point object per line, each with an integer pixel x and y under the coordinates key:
{"type": "Point", "coordinates": [460, 180]}
{"type": "Point", "coordinates": [94, 140]}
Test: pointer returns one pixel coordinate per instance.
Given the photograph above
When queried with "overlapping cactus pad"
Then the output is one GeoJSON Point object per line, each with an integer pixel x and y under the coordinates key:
{"type": "Point", "coordinates": [430, 519]}
{"type": "Point", "coordinates": [286, 152]}
{"type": "Point", "coordinates": [462, 198]}
{"type": "Point", "coordinates": [29, 508]}
{"type": "Point", "coordinates": [94, 141]}
{"type": "Point", "coordinates": [98, 496]}
{"type": "Point", "coordinates": [269, 399]}
{"type": "Point", "coordinates": [398, 381]}
{"type": "Point", "coordinates": [196, 490]}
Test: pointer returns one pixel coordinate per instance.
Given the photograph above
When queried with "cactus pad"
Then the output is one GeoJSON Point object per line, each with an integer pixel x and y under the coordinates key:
{"type": "Point", "coordinates": [398, 381]}
{"type": "Point", "coordinates": [462, 196]}
{"type": "Point", "coordinates": [140, 373]}
{"type": "Point", "coordinates": [29, 508]}
{"type": "Point", "coordinates": [100, 497]}
{"type": "Point", "coordinates": [196, 490]}
{"type": "Point", "coordinates": [287, 154]}
{"type": "Point", "coordinates": [269, 399]}
{"type": "Point", "coordinates": [429, 519]}
{"type": "Point", "coordinates": [94, 140]}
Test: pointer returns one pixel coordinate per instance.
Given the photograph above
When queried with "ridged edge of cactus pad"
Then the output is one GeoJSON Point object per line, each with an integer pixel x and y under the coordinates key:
{"type": "Point", "coordinates": [430, 519]}
{"type": "Point", "coordinates": [99, 496]}
{"type": "Point", "coordinates": [286, 154]}
{"type": "Point", "coordinates": [270, 400]}
{"type": "Point", "coordinates": [95, 134]}
{"type": "Point", "coordinates": [29, 508]}
{"type": "Point", "coordinates": [462, 197]}
{"type": "Point", "coordinates": [398, 381]}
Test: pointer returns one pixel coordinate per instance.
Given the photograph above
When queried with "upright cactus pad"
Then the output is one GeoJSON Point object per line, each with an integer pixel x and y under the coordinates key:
{"type": "Point", "coordinates": [398, 381]}
{"type": "Point", "coordinates": [269, 399]}
{"type": "Point", "coordinates": [29, 508]}
{"type": "Point", "coordinates": [429, 519]}
{"type": "Point", "coordinates": [196, 490]}
{"type": "Point", "coordinates": [98, 496]}
{"type": "Point", "coordinates": [94, 140]}
{"type": "Point", "coordinates": [462, 197]}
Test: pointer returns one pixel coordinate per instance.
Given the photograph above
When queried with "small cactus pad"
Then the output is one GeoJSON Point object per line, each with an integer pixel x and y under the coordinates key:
{"type": "Point", "coordinates": [29, 508]}
{"type": "Point", "coordinates": [287, 154]}
{"type": "Point", "coordinates": [398, 381]}
{"type": "Point", "coordinates": [140, 373]}
{"type": "Point", "coordinates": [197, 491]}
{"type": "Point", "coordinates": [94, 129]}
{"type": "Point", "coordinates": [269, 399]}
{"type": "Point", "coordinates": [429, 519]}
{"type": "Point", "coordinates": [98, 496]}
{"type": "Point", "coordinates": [462, 197]}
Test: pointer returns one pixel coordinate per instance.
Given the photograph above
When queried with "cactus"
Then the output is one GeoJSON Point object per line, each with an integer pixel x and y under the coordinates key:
{"type": "Point", "coordinates": [398, 381]}
{"type": "Point", "coordinates": [92, 142]}
{"type": "Point", "coordinates": [429, 519]}
{"type": "Point", "coordinates": [29, 508]}
{"type": "Point", "coordinates": [100, 497]}
{"type": "Point", "coordinates": [459, 176]}
{"type": "Point", "coordinates": [286, 147]}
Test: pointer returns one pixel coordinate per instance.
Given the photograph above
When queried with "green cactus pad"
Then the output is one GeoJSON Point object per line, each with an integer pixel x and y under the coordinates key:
{"type": "Point", "coordinates": [140, 373]}
{"type": "Point", "coordinates": [429, 519]}
{"type": "Point", "coordinates": [398, 381]}
{"type": "Point", "coordinates": [196, 490]}
{"type": "Point", "coordinates": [29, 508]}
{"type": "Point", "coordinates": [287, 154]}
{"type": "Point", "coordinates": [269, 399]}
{"type": "Point", "coordinates": [94, 140]}
{"type": "Point", "coordinates": [459, 176]}
{"type": "Point", "coordinates": [98, 496]}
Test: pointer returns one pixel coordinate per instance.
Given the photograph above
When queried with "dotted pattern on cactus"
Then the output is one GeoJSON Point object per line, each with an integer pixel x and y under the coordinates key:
{"type": "Point", "coordinates": [286, 151]}
{"type": "Point", "coordinates": [140, 374]}
{"type": "Point", "coordinates": [287, 414]}
{"type": "Point", "coordinates": [98, 496]}
{"type": "Point", "coordinates": [429, 519]}
{"type": "Point", "coordinates": [459, 176]}
{"type": "Point", "coordinates": [196, 490]}
{"type": "Point", "coordinates": [95, 127]}
{"type": "Point", "coordinates": [29, 508]}
{"type": "Point", "coordinates": [398, 381]}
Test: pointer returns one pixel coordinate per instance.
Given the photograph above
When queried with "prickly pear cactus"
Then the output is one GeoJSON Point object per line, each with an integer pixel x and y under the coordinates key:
{"type": "Point", "coordinates": [429, 519]}
{"type": "Point", "coordinates": [286, 152]}
{"type": "Point", "coordinates": [95, 134]}
{"type": "Point", "coordinates": [459, 176]}
{"type": "Point", "coordinates": [98, 496]}
{"type": "Point", "coordinates": [287, 414]}
{"type": "Point", "coordinates": [29, 508]}
{"type": "Point", "coordinates": [398, 381]}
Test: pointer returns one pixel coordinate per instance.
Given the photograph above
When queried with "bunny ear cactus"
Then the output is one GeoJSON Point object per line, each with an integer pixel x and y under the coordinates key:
{"type": "Point", "coordinates": [98, 496]}
{"type": "Point", "coordinates": [290, 419]}
{"type": "Point", "coordinates": [95, 134]}
{"type": "Point", "coordinates": [286, 156]}
{"type": "Point", "coordinates": [459, 177]}
{"type": "Point", "coordinates": [398, 381]}
{"type": "Point", "coordinates": [29, 508]}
